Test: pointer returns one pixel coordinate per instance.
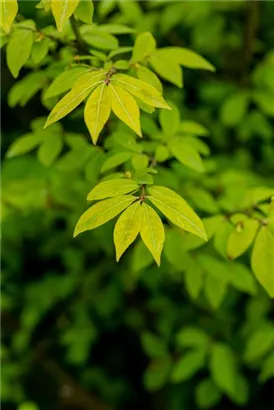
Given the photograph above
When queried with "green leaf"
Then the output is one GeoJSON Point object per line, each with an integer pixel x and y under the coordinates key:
{"type": "Point", "coordinates": [175, 208]}
{"type": "Point", "coordinates": [148, 76]}
{"type": "Point", "coordinates": [50, 149]}
{"type": "Point", "coordinates": [259, 343]}
{"type": "Point", "coordinates": [156, 375]}
{"type": "Point", "coordinates": [194, 280]}
{"type": "Point", "coordinates": [186, 154]}
{"type": "Point", "coordinates": [28, 405]}
{"type": "Point", "coordinates": [23, 145]}
{"type": "Point", "coordinates": [102, 212]}
{"type": "Point", "coordinates": [215, 291]}
{"type": "Point", "coordinates": [62, 10]}
{"type": "Point", "coordinates": [115, 160]}
{"type": "Point", "coordinates": [84, 11]}
{"type": "Point", "coordinates": [241, 238]}
{"type": "Point", "coordinates": [64, 81]}
{"type": "Point", "coordinates": [152, 232]}
{"type": "Point", "coordinates": [241, 278]}
{"type": "Point", "coordinates": [267, 371]}
{"type": "Point", "coordinates": [97, 38]}
{"type": "Point", "coordinates": [127, 228]}
{"type": "Point", "coordinates": [22, 91]}
{"type": "Point", "coordinates": [144, 45]}
{"type": "Point", "coordinates": [79, 92]}
{"type": "Point", "coordinates": [170, 120]}
{"type": "Point", "coordinates": [125, 108]}
{"type": "Point", "coordinates": [207, 395]}
{"type": "Point", "coordinates": [111, 188]}
{"type": "Point", "coordinates": [234, 109]}
{"type": "Point", "coordinates": [166, 69]}
{"type": "Point", "coordinates": [9, 10]}
{"type": "Point", "coordinates": [162, 153]}
{"type": "Point", "coordinates": [141, 257]}
{"type": "Point", "coordinates": [192, 337]}
{"type": "Point", "coordinates": [97, 111]}
{"type": "Point", "coordinates": [140, 161]}
{"type": "Point", "coordinates": [153, 345]}
{"type": "Point", "coordinates": [193, 128]}
{"type": "Point", "coordinates": [145, 91]}
{"type": "Point", "coordinates": [262, 259]}
{"type": "Point", "coordinates": [186, 58]}
{"type": "Point", "coordinates": [223, 368]}
{"type": "Point", "coordinates": [115, 29]}
{"type": "Point", "coordinates": [188, 365]}
{"type": "Point", "coordinates": [18, 49]}
{"type": "Point", "coordinates": [39, 50]}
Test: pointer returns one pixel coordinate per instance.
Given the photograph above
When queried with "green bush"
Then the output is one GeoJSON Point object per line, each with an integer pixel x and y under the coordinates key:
{"type": "Point", "coordinates": [174, 151]}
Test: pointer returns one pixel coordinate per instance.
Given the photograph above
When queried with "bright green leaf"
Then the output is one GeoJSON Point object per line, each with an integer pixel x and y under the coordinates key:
{"type": "Point", "coordinates": [125, 108]}
{"type": "Point", "coordinates": [144, 45]}
{"type": "Point", "coordinates": [50, 149]}
{"type": "Point", "coordinates": [84, 11]}
{"type": "Point", "coordinates": [9, 10]}
{"type": "Point", "coordinates": [111, 188]}
{"type": "Point", "coordinates": [192, 337]}
{"type": "Point", "coordinates": [127, 228]}
{"type": "Point", "coordinates": [223, 368]}
{"type": "Point", "coordinates": [168, 70]}
{"type": "Point", "coordinates": [241, 238]}
{"type": "Point", "coordinates": [62, 10]}
{"type": "Point", "coordinates": [177, 210]}
{"type": "Point", "coordinates": [262, 259]}
{"type": "Point", "coordinates": [19, 49]}
{"type": "Point", "coordinates": [152, 232]}
{"type": "Point", "coordinates": [23, 145]}
{"type": "Point", "coordinates": [116, 160]}
{"type": "Point", "coordinates": [170, 120]}
{"type": "Point", "coordinates": [79, 92]}
{"type": "Point", "coordinates": [97, 111]}
{"type": "Point", "coordinates": [186, 58]}
{"type": "Point", "coordinates": [102, 212]}
{"type": "Point", "coordinates": [64, 81]}
{"type": "Point", "coordinates": [148, 76]}
{"type": "Point", "coordinates": [207, 394]}
{"type": "Point", "coordinates": [186, 154]}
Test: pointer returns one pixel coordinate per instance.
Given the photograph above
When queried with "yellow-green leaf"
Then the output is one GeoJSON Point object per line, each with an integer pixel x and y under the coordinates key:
{"type": "Point", "coordinates": [186, 154]}
{"type": "Point", "coordinates": [18, 50]}
{"type": "Point", "coordinates": [176, 209]}
{"type": "Point", "coordinates": [79, 92]}
{"type": "Point", "coordinates": [167, 69]}
{"type": "Point", "coordinates": [145, 91]}
{"type": "Point", "coordinates": [64, 81]}
{"type": "Point", "coordinates": [145, 74]}
{"type": "Point", "coordinates": [50, 149]}
{"type": "Point", "coordinates": [143, 46]}
{"type": "Point", "coordinates": [97, 110]}
{"type": "Point", "coordinates": [127, 228]}
{"type": "Point", "coordinates": [241, 238]}
{"type": "Point", "coordinates": [102, 212]}
{"type": "Point", "coordinates": [23, 145]}
{"type": "Point", "coordinates": [111, 188]}
{"type": "Point", "coordinates": [187, 58]}
{"type": "Point", "coordinates": [9, 10]}
{"type": "Point", "coordinates": [125, 108]}
{"type": "Point", "coordinates": [152, 232]}
{"type": "Point", "coordinates": [262, 259]}
{"type": "Point", "coordinates": [62, 10]}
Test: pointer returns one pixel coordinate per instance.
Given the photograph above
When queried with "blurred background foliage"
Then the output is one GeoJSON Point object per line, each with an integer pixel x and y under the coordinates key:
{"type": "Point", "coordinates": [80, 331]}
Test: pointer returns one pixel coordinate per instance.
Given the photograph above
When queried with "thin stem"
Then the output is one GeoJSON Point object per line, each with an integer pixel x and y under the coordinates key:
{"type": "Point", "coordinates": [80, 42]}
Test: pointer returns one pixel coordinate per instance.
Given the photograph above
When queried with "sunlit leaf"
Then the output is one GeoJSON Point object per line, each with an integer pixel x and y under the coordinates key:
{"type": "Point", "coordinates": [111, 188]}
{"type": "Point", "coordinates": [19, 49]}
{"type": "Point", "coordinates": [262, 259]}
{"type": "Point", "coordinates": [9, 10]}
{"type": "Point", "coordinates": [177, 210]}
{"type": "Point", "coordinates": [62, 10]}
{"type": "Point", "coordinates": [241, 238]}
{"type": "Point", "coordinates": [186, 154]}
{"type": "Point", "coordinates": [186, 58]}
{"type": "Point", "coordinates": [84, 11]}
{"type": "Point", "coordinates": [79, 92]}
{"type": "Point", "coordinates": [125, 108]}
{"type": "Point", "coordinates": [102, 212]}
{"type": "Point", "coordinates": [64, 81]}
{"type": "Point", "coordinates": [23, 145]}
{"type": "Point", "coordinates": [127, 228]}
{"type": "Point", "coordinates": [144, 45]}
{"type": "Point", "coordinates": [97, 110]}
{"type": "Point", "coordinates": [152, 232]}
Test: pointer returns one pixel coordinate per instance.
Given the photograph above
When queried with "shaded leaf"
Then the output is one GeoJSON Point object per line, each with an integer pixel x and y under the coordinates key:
{"type": "Point", "coordinates": [188, 365]}
{"type": "Point", "coordinates": [18, 49]}
{"type": "Point", "coordinates": [144, 45]}
{"type": "Point", "coordinates": [84, 11]}
{"type": "Point", "coordinates": [186, 154]}
{"type": "Point", "coordinates": [115, 160]}
{"type": "Point", "coordinates": [64, 81]}
{"type": "Point", "coordinates": [23, 145]}
{"type": "Point", "coordinates": [186, 58]}
{"type": "Point", "coordinates": [223, 368]}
